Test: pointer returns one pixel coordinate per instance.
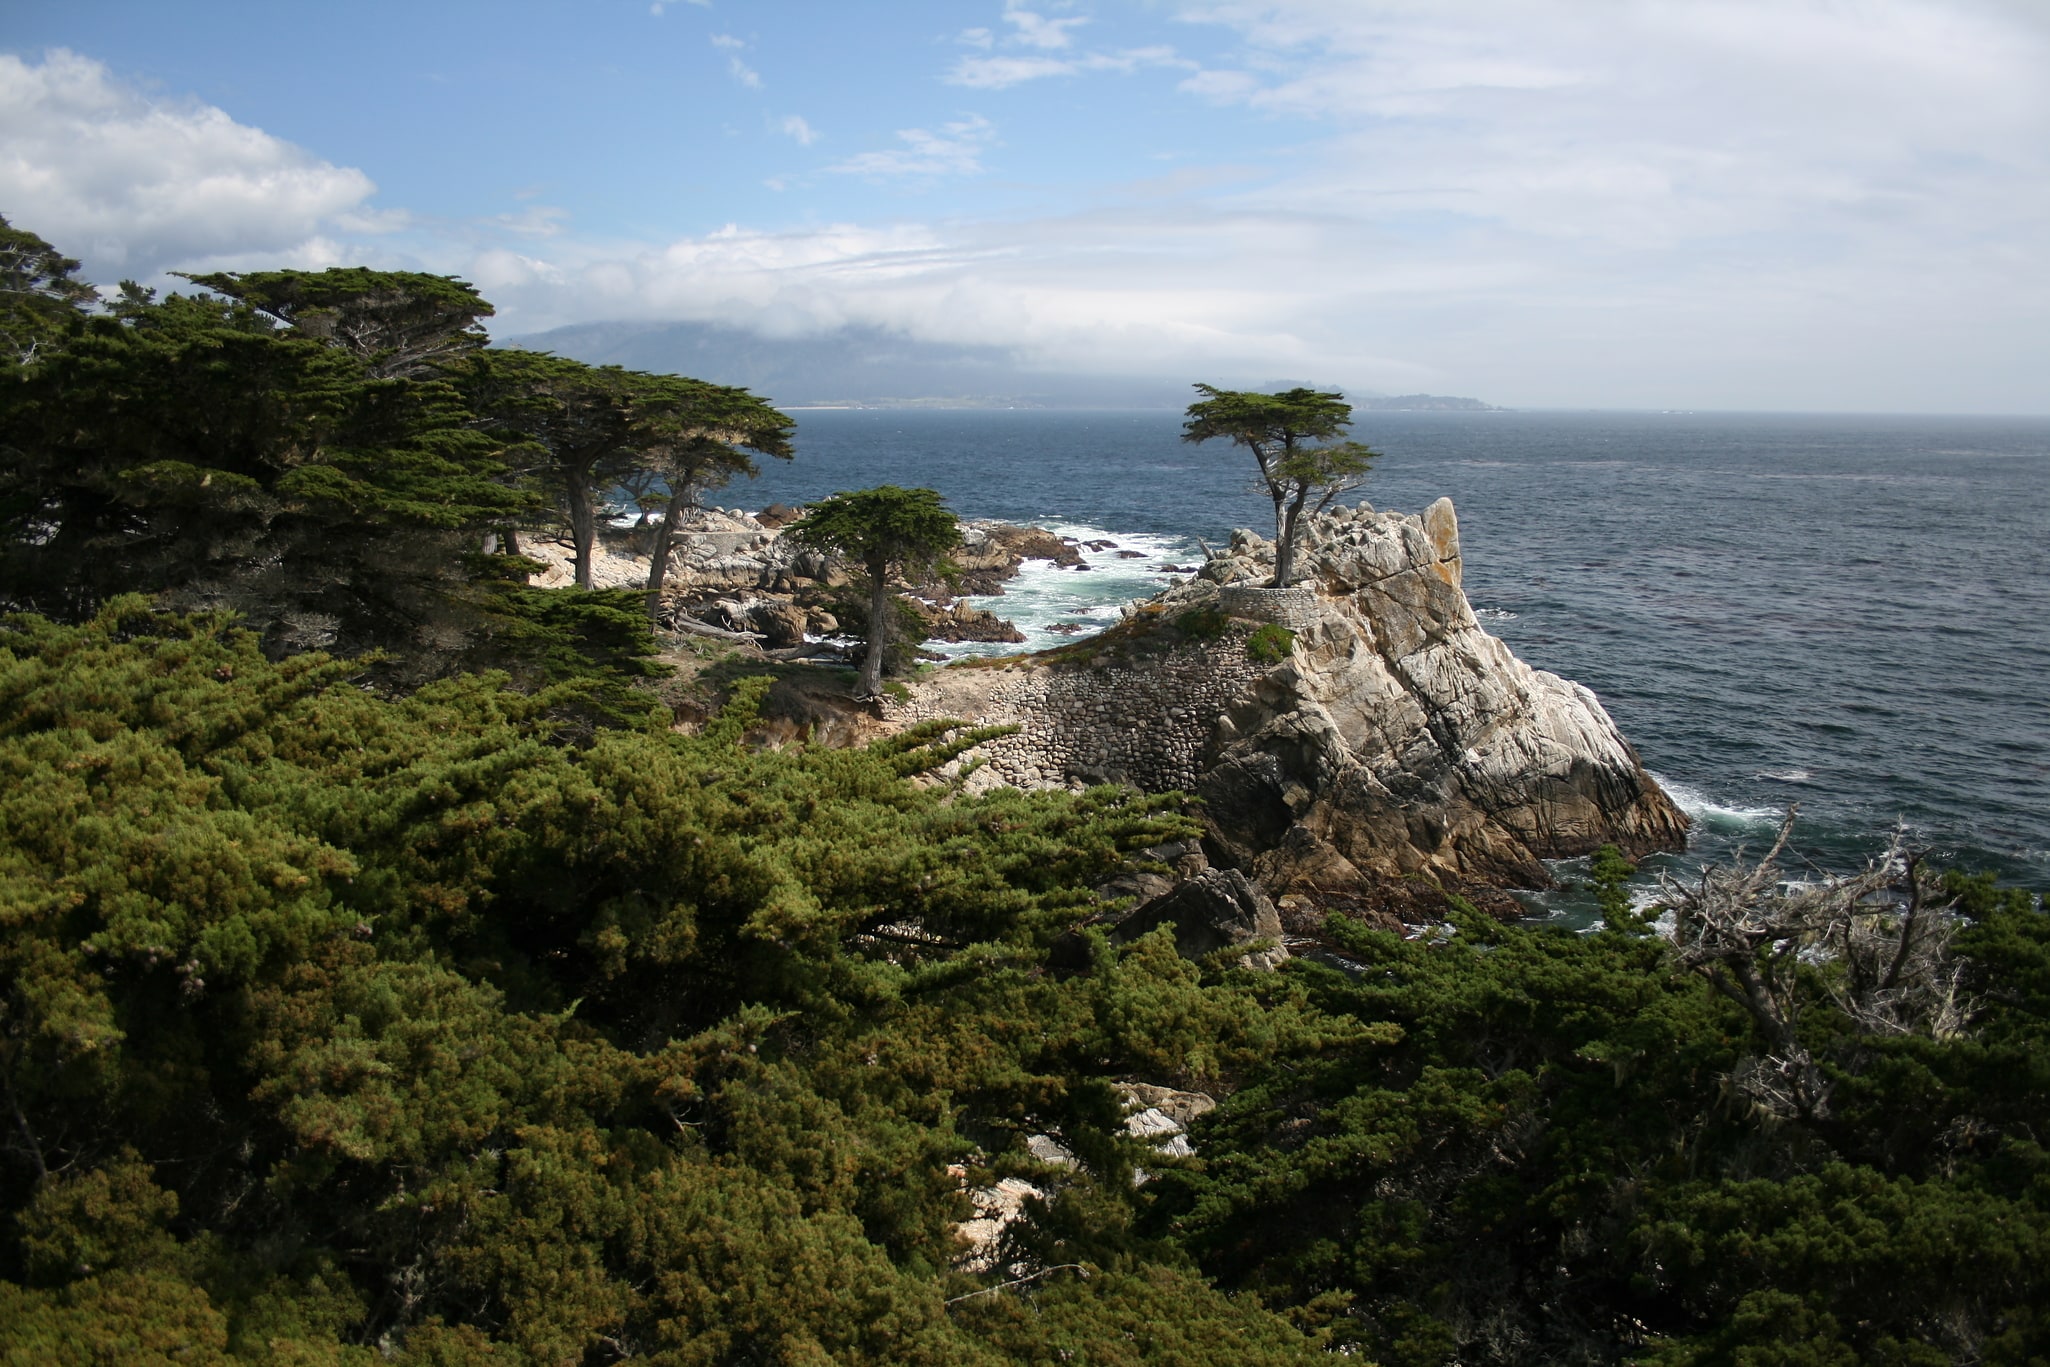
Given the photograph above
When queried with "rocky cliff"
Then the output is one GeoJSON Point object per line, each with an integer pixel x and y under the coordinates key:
{"type": "Point", "coordinates": [1390, 737]}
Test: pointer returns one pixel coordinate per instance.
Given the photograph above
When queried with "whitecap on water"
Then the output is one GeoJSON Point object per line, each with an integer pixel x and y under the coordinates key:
{"type": "Point", "coordinates": [1046, 601]}
{"type": "Point", "coordinates": [1495, 614]}
{"type": "Point", "coordinates": [1784, 775]}
{"type": "Point", "coordinates": [1709, 812]}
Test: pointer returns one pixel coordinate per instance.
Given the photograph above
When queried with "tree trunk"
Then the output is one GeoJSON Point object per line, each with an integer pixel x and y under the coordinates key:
{"type": "Point", "coordinates": [583, 522]}
{"type": "Point", "coordinates": [665, 537]}
{"type": "Point", "coordinates": [1287, 524]}
{"type": "Point", "coordinates": [1280, 496]}
{"type": "Point", "coordinates": [871, 682]}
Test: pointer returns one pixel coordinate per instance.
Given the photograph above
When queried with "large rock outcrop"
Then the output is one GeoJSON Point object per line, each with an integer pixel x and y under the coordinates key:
{"type": "Point", "coordinates": [1402, 737]}
{"type": "Point", "coordinates": [1393, 738]}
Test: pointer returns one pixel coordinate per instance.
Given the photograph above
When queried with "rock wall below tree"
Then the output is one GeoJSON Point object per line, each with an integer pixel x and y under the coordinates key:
{"type": "Point", "coordinates": [1396, 738]}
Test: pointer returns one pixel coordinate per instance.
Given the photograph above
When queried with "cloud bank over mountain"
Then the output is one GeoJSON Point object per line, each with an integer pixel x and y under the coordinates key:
{"type": "Point", "coordinates": [1738, 204]}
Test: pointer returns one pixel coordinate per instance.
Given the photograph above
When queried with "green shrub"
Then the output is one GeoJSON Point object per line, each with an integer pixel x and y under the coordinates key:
{"type": "Point", "coordinates": [1270, 645]}
{"type": "Point", "coordinates": [1202, 624]}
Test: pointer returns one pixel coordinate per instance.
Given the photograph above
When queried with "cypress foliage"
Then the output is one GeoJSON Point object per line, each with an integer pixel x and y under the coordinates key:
{"type": "Point", "coordinates": [336, 1022]}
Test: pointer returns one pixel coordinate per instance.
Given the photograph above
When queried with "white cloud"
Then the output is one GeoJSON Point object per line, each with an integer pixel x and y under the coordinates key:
{"type": "Point", "coordinates": [1043, 37]}
{"type": "Point", "coordinates": [1720, 197]}
{"type": "Point", "coordinates": [134, 186]}
{"type": "Point", "coordinates": [1036, 30]}
{"type": "Point", "coordinates": [1157, 292]}
{"type": "Point", "coordinates": [997, 72]}
{"type": "Point", "coordinates": [1800, 204]}
{"type": "Point", "coordinates": [794, 126]}
{"type": "Point", "coordinates": [956, 150]}
{"type": "Point", "coordinates": [739, 70]}
{"type": "Point", "coordinates": [536, 220]}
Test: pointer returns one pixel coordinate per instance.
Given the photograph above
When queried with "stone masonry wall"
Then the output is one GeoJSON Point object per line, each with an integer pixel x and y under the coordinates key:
{"type": "Point", "coordinates": [1146, 720]}
{"type": "Point", "coordinates": [1293, 608]}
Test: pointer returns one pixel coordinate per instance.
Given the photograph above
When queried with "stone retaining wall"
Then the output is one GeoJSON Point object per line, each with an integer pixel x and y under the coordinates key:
{"type": "Point", "coordinates": [1292, 608]}
{"type": "Point", "coordinates": [1146, 722]}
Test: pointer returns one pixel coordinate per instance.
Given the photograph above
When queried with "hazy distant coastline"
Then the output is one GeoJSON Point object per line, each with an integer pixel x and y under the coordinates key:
{"type": "Point", "coordinates": [870, 368]}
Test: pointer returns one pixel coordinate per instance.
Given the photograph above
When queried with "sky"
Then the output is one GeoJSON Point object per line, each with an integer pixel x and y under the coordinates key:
{"type": "Point", "coordinates": [1820, 205]}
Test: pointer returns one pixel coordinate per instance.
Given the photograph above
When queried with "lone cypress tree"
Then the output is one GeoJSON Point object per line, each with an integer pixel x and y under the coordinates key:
{"type": "Point", "coordinates": [886, 530]}
{"type": "Point", "coordinates": [1286, 433]}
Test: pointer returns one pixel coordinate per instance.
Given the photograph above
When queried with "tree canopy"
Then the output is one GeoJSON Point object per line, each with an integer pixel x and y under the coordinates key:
{"type": "Point", "coordinates": [1291, 436]}
{"type": "Point", "coordinates": [887, 531]}
{"type": "Point", "coordinates": [586, 428]}
{"type": "Point", "coordinates": [330, 454]}
{"type": "Point", "coordinates": [399, 324]}
{"type": "Point", "coordinates": [40, 296]}
{"type": "Point", "coordinates": [698, 440]}
{"type": "Point", "coordinates": [189, 448]}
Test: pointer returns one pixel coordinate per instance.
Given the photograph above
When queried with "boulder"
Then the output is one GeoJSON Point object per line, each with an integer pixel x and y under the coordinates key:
{"type": "Point", "coordinates": [1181, 1108]}
{"type": "Point", "coordinates": [1401, 738]}
{"type": "Point", "coordinates": [780, 622]}
{"type": "Point", "coordinates": [959, 622]}
{"type": "Point", "coordinates": [1216, 909]}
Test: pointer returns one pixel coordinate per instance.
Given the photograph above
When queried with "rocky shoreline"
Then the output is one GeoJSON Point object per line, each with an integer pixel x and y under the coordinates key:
{"type": "Point", "coordinates": [1374, 751]}
{"type": "Point", "coordinates": [734, 572]}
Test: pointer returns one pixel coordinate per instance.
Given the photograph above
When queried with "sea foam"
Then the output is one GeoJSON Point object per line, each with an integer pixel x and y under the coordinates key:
{"type": "Point", "coordinates": [1043, 598]}
{"type": "Point", "coordinates": [1710, 812]}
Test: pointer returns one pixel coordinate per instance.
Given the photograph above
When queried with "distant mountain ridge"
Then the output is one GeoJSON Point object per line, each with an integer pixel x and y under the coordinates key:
{"type": "Point", "coordinates": [1425, 403]}
{"type": "Point", "coordinates": [868, 367]}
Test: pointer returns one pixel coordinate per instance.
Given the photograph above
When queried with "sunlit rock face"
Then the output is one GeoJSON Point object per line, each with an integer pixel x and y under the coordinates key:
{"type": "Point", "coordinates": [1401, 737]}
{"type": "Point", "coordinates": [1393, 737]}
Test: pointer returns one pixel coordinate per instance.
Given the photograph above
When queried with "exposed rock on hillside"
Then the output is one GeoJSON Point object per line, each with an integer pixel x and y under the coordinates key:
{"type": "Point", "coordinates": [1215, 908]}
{"type": "Point", "coordinates": [1396, 738]}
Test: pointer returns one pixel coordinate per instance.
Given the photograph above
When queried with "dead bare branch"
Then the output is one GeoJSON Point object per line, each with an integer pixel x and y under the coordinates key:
{"type": "Point", "coordinates": [1877, 941]}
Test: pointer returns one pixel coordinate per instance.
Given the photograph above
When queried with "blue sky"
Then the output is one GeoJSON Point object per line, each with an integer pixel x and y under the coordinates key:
{"type": "Point", "coordinates": [1810, 204]}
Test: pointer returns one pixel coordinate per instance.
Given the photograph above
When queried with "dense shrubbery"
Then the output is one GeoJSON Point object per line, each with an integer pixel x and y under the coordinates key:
{"type": "Point", "coordinates": [338, 1020]}
{"type": "Point", "coordinates": [336, 1023]}
{"type": "Point", "coordinates": [1553, 1165]}
{"type": "Point", "coordinates": [1270, 644]}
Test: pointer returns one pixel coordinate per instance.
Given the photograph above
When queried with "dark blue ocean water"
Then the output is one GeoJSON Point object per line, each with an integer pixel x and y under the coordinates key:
{"type": "Point", "coordinates": [1852, 613]}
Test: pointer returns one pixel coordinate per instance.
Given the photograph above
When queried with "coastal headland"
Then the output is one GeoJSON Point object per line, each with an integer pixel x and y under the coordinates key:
{"type": "Point", "coordinates": [1356, 741]}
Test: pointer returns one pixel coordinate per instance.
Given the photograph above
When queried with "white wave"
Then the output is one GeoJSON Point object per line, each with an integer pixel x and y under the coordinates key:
{"type": "Point", "coordinates": [1045, 600]}
{"type": "Point", "coordinates": [1496, 614]}
{"type": "Point", "coordinates": [1784, 775]}
{"type": "Point", "coordinates": [1708, 811]}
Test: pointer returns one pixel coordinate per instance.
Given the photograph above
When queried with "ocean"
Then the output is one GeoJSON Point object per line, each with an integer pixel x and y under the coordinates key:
{"type": "Point", "coordinates": [1851, 613]}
